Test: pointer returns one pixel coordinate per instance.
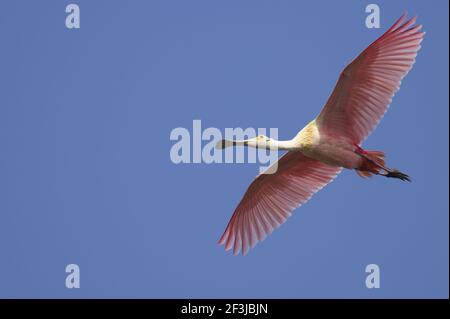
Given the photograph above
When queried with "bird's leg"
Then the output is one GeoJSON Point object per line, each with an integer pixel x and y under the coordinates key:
{"type": "Point", "coordinates": [382, 170]}
{"type": "Point", "coordinates": [394, 173]}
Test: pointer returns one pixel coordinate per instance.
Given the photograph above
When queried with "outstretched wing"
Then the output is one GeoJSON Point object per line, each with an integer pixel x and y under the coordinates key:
{"type": "Point", "coordinates": [271, 198]}
{"type": "Point", "coordinates": [366, 86]}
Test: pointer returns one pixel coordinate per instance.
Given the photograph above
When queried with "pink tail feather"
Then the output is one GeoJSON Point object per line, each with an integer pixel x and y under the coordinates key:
{"type": "Point", "coordinates": [372, 163]}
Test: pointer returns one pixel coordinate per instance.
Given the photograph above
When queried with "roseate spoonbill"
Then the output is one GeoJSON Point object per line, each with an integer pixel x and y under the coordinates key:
{"type": "Point", "coordinates": [329, 143]}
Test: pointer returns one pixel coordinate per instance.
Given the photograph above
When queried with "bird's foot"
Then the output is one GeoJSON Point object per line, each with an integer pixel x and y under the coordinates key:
{"type": "Point", "coordinates": [393, 173]}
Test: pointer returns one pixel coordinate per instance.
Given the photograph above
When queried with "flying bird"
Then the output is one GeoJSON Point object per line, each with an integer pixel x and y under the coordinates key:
{"type": "Point", "coordinates": [330, 142]}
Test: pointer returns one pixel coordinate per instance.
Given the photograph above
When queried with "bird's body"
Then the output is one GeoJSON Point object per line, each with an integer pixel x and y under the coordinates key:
{"type": "Point", "coordinates": [330, 142]}
{"type": "Point", "coordinates": [331, 150]}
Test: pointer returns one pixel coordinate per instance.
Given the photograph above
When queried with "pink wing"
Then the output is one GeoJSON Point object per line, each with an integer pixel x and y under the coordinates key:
{"type": "Point", "coordinates": [271, 198]}
{"type": "Point", "coordinates": [366, 86]}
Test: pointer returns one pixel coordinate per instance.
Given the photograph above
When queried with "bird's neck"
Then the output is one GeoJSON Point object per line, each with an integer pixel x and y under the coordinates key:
{"type": "Point", "coordinates": [274, 145]}
{"type": "Point", "coordinates": [289, 145]}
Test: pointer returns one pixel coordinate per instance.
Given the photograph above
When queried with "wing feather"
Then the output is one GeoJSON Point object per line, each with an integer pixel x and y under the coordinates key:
{"type": "Point", "coordinates": [367, 85]}
{"type": "Point", "coordinates": [271, 198]}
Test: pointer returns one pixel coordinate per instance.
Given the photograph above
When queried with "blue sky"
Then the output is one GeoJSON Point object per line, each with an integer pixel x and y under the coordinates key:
{"type": "Point", "coordinates": [86, 176]}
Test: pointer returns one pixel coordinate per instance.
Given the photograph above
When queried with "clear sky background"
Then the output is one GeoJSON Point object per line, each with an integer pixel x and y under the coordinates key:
{"type": "Point", "coordinates": [86, 176]}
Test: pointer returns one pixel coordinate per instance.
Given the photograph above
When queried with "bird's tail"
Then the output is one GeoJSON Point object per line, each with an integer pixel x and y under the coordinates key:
{"type": "Point", "coordinates": [372, 163]}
